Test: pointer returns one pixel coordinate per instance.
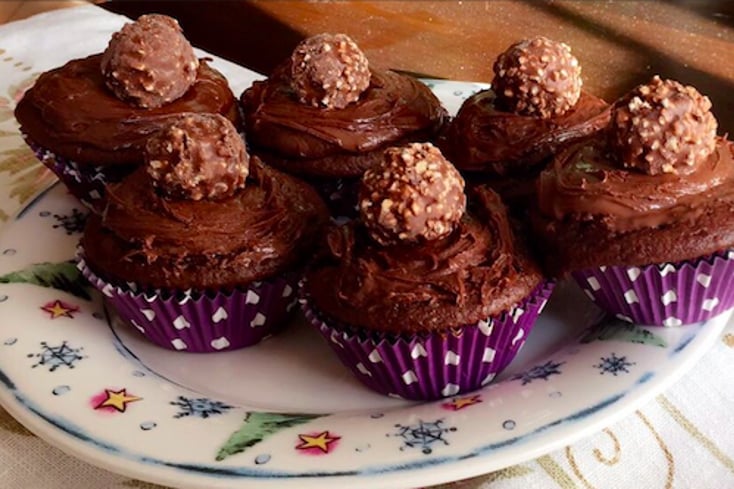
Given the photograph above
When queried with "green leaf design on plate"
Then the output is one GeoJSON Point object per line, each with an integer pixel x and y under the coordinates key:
{"type": "Point", "coordinates": [60, 276]}
{"type": "Point", "coordinates": [257, 427]}
{"type": "Point", "coordinates": [617, 329]}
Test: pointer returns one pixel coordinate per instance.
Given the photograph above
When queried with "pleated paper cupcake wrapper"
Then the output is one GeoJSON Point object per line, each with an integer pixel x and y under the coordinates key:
{"type": "Point", "coordinates": [85, 182]}
{"type": "Point", "coordinates": [434, 365]}
{"type": "Point", "coordinates": [668, 294]}
{"type": "Point", "coordinates": [201, 322]}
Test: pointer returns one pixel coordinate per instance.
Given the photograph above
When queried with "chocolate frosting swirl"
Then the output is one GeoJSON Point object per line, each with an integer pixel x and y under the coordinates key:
{"type": "Point", "coordinates": [477, 271]}
{"type": "Point", "coordinates": [70, 111]}
{"type": "Point", "coordinates": [266, 228]}
{"type": "Point", "coordinates": [586, 182]}
{"type": "Point", "coordinates": [487, 139]}
{"type": "Point", "coordinates": [393, 108]}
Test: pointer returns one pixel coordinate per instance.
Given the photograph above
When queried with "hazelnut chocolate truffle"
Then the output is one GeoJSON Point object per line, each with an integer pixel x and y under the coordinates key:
{"type": "Point", "coordinates": [387, 283]}
{"type": "Point", "coordinates": [654, 196]}
{"type": "Point", "coordinates": [149, 62]}
{"type": "Point", "coordinates": [326, 115]}
{"type": "Point", "coordinates": [186, 240]}
{"type": "Point", "coordinates": [505, 135]}
{"type": "Point", "coordinates": [89, 120]}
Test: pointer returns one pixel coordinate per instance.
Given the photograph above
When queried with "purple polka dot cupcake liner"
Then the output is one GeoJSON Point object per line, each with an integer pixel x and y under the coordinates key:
{"type": "Point", "coordinates": [668, 294]}
{"type": "Point", "coordinates": [85, 182]}
{"type": "Point", "coordinates": [201, 322]}
{"type": "Point", "coordinates": [434, 365]}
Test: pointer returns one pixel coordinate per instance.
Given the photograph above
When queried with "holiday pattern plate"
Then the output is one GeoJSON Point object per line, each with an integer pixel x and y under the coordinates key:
{"type": "Point", "coordinates": [286, 413]}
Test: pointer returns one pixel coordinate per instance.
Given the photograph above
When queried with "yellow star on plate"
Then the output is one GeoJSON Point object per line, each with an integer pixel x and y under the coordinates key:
{"type": "Point", "coordinates": [58, 309]}
{"type": "Point", "coordinates": [322, 441]}
{"type": "Point", "coordinates": [117, 399]}
{"type": "Point", "coordinates": [462, 402]}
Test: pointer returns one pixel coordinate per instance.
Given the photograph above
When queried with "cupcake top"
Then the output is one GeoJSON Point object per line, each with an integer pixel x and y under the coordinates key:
{"type": "Point", "coordinates": [101, 109]}
{"type": "Point", "coordinates": [535, 105]}
{"type": "Point", "coordinates": [404, 269]}
{"type": "Point", "coordinates": [658, 187]}
{"type": "Point", "coordinates": [326, 102]}
{"type": "Point", "coordinates": [189, 219]}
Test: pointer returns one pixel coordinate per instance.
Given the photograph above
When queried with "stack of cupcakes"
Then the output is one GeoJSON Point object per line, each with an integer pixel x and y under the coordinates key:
{"type": "Point", "coordinates": [88, 120]}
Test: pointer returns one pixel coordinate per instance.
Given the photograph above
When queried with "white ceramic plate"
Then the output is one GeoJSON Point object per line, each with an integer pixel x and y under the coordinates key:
{"type": "Point", "coordinates": [285, 413]}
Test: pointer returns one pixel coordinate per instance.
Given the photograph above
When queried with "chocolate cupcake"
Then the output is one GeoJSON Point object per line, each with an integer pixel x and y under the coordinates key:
{"type": "Point", "coordinates": [326, 116]}
{"type": "Point", "coordinates": [424, 296]}
{"type": "Point", "coordinates": [644, 215]}
{"type": "Point", "coordinates": [88, 120]}
{"type": "Point", "coordinates": [200, 248]}
{"type": "Point", "coordinates": [506, 135]}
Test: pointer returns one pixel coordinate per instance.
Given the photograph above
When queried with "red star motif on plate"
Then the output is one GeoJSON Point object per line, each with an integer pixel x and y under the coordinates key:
{"type": "Point", "coordinates": [461, 402]}
{"type": "Point", "coordinates": [116, 399]}
{"type": "Point", "coordinates": [59, 309]}
{"type": "Point", "coordinates": [323, 441]}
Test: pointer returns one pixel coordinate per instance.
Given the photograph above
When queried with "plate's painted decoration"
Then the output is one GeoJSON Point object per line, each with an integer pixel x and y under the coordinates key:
{"type": "Point", "coordinates": [544, 371]}
{"type": "Point", "coordinates": [113, 400]}
{"type": "Point", "coordinates": [614, 365]}
{"type": "Point", "coordinates": [199, 407]}
{"type": "Point", "coordinates": [72, 223]}
{"type": "Point", "coordinates": [459, 403]}
{"type": "Point", "coordinates": [317, 443]}
{"type": "Point", "coordinates": [60, 309]}
{"type": "Point", "coordinates": [423, 435]}
{"type": "Point", "coordinates": [54, 357]}
{"type": "Point", "coordinates": [613, 328]}
{"type": "Point", "coordinates": [60, 276]}
{"type": "Point", "coordinates": [258, 426]}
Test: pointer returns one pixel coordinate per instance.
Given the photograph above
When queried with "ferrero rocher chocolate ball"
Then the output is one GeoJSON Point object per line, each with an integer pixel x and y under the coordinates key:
{"type": "Point", "coordinates": [413, 194]}
{"type": "Point", "coordinates": [198, 156]}
{"type": "Point", "coordinates": [329, 70]}
{"type": "Point", "coordinates": [663, 127]}
{"type": "Point", "coordinates": [149, 62]}
{"type": "Point", "coordinates": [537, 77]}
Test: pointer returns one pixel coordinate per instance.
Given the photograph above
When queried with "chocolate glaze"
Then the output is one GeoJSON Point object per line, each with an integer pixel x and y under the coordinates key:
{"type": "Point", "coordinates": [482, 138]}
{"type": "Point", "coordinates": [265, 229]}
{"type": "Point", "coordinates": [71, 112]}
{"type": "Point", "coordinates": [591, 212]}
{"type": "Point", "coordinates": [304, 139]}
{"type": "Point", "coordinates": [478, 271]}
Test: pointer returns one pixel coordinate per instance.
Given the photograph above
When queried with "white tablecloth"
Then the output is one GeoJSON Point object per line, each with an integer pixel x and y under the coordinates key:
{"type": "Point", "coordinates": [684, 438]}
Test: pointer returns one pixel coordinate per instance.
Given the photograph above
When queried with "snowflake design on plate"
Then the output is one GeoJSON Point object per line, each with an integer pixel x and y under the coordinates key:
{"type": "Point", "coordinates": [544, 371]}
{"type": "Point", "coordinates": [54, 357]}
{"type": "Point", "coordinates": [200, 407]}
{"type": "Point", "coordinates": [613, 365]}
{"type": "Point", "coordinates": [71, 223]}
{"type": "Point", "coordinates": [423, 435]}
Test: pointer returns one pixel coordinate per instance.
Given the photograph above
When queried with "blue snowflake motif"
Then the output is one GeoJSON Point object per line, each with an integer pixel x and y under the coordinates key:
{"type": "Point", "coordinates": [57, 356]}
{"type": "Point", "coordinates": [199, 408]}
{"type": "Point", "coordinates": [72, 223]}
{"type": "Point", "coordinates": [422, 435]}
{"type": "Point", "coordinates": [539, 372]}
{"type": "Point", "coordinates": [613, 365]}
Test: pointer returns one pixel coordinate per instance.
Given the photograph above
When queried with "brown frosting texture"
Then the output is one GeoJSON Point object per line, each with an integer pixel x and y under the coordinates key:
{"type": "Point", "coordinates": [663, 127]}
{"type": "Point", "coordinates": [478, 270]}
{"type": "Point", "coordinates": [329, 70]}
{"type": "Point", "coordinates": [199, 156]}
{"type": "Point", "coordinates": [413, 194]}
{"type": "Point", "coordinates": [314, 140]}
{"type": "Point", "coordinates": [70, 111]}
{"type": "Point", "coordinates": [585, 183]}
{"type": "Point", "coordinates": [537, 77]}
{"type": "Point", "coordinates": [149, 62]}
{"type": "Point", "coordinates": [264, 229]}
{"type": "Point", "coordinates": [485, 138]}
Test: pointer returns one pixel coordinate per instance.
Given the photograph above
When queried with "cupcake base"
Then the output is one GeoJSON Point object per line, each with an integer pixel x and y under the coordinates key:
{"type": "Point", "coordinates": [201, 322]}
{"type": "Point", "coordinates": [668, 294]}
{"type": "Point", "coordinates": [433, 365]}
